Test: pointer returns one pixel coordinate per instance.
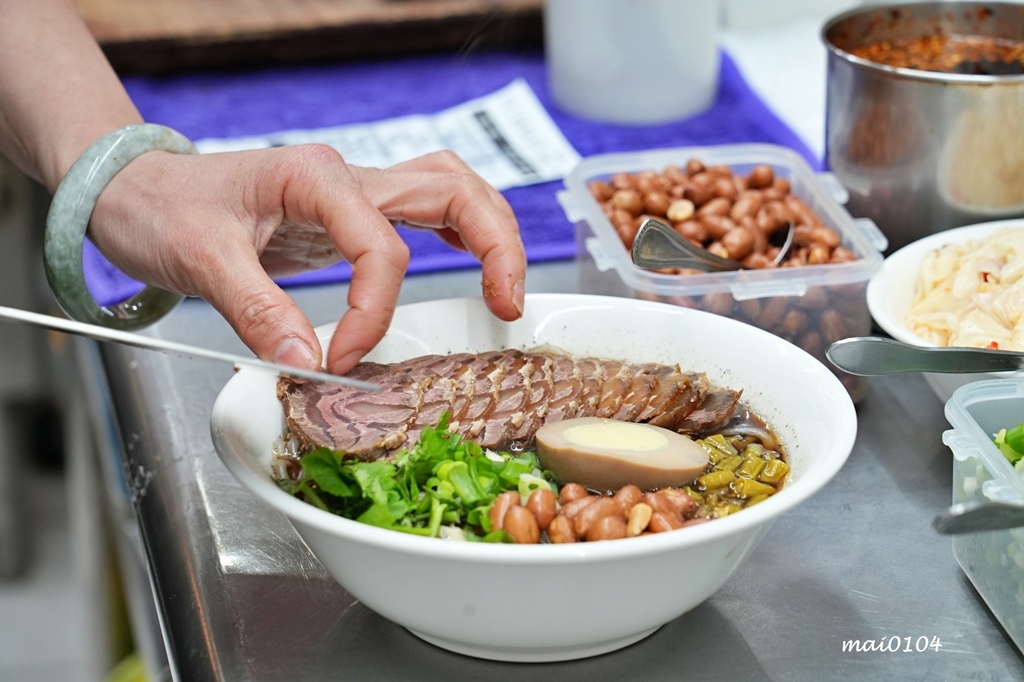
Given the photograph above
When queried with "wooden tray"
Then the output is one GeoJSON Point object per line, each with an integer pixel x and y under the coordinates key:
{"type": "Point", "coordinates": [152, 36]}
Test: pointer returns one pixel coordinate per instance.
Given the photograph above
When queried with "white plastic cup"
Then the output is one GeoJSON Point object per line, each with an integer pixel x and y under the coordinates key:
{"type": "Point", "coordinates": [635, 62]}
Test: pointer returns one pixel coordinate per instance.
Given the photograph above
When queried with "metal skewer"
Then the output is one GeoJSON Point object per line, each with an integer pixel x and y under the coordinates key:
{"type": "Point", "coordinates": [150, 343]}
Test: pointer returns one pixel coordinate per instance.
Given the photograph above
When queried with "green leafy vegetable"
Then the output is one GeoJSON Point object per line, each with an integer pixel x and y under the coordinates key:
{"type": "Point", "coordinates": [1011, 443]}
{"type": "Point", "coordinates": [442, 480]}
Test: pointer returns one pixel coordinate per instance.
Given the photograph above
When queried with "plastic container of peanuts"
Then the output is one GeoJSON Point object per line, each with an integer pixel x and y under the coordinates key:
{"type": "Point", "coordinates": [813, 301]}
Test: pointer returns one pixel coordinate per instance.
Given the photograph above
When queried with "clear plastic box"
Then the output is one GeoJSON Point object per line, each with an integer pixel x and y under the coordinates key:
{"type": "Point", "coordinates": [811, 306]}
{"type": "Point", "coordinates": [993, 560]}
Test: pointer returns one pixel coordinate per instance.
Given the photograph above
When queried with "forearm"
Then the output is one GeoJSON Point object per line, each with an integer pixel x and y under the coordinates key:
{"type": "Point", "coordinates": [58, 93]}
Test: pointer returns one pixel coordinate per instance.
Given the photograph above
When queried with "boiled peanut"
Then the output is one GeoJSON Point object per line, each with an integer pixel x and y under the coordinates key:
{"type": "Point", "coordinates": [717, 302]}
{"type": "Point", "coordinates": [812, 343]}
{"type": "Point", "coordinates": [679, 499]}
{"type": "Point", "coordinates": [761, 176]}
{"type": "Point", "coordinates": [773, 311]}
{"type": "Point", "coordinates": [604, 506]}
{"type": "Point", "coordinates": [502, 503]}
{"type": "Point", "coordinates": [842, 255]}
{"type": "Point", "coordinates": [639, 517]}
{"type": "Point", "coordinates": [570, 510]}
{"type": "Point", "coordinates": [739, 242]}
{"type": "Point", "coordinates": [761, 243]}
{"type": "Point", "coordinates": [662, 505]}
{"type": "Point", "coordinates": [794, 322]}
{"type": "Point", "coordinates": [627, 232]}
{"type": "Point", "coordinates": [772, 216]}
{"type": "Point", "coordinates": [832, 327]}
{"type": "Point", "coordinates": [693, 230]}
{"type": "Point", "coordinates": [647, 182]}
{"type": "Point", "coordinates": [674, 174]}
{"type": "Point", "coordinates": [522, 525]}
{"type": "Point", "coordinates": [622, 181]}
{"type": "Point", "coordinates": [724, 187]}
{"type": "Point", "coordinates": [798, 258]}
{"type": "Point", "coordinates": [661, 522]}
{"type": "Point", "coordinates": [543, 504]}
{"type": "Point", "coordinates": [801, 211]}
{"type": "Point", "coordinates": [718, 249]}
{"type": "Point", "coordinates": [717, 225]}
{"type": "Point", "coordinates": [680, 210]}
{"type": "Point", "coordinates": [627, 496]}
{"type": "Point", "coordinates": [607, 528]}
{"type": "Point", "coordinates": [601, 190]}
{"type": "Point", "coordinates": [570, 492]}
{"type": "Point", "coordinates": [802, 235]}
{"type": "Point", "coordinates": [628, 200]}
{"type": "Point", "coordinates": [747, 205]}
{"type": "Point", "coordinates": [825, 236]}
{"type": "Point", "coordinates": [818, 254]}
{"type": "Point", "coordinates": [698, 194]}
{"type": "Point", "coordinates": [656, 203]}
{"type": "Point", "coordinates": [758, 261]}
{"type": "Point", "coordinates": [703, 178]}
{"type": "Point", "coordinates": [719, 206]}
{"type": "Point", "coordinates": [749, 309]}
{"type": "Point", "coordinates": [560, 531]}
{"type": "Point", "coordinates": [621, 219]}
{"type": "Point", "coordinates": [815, 298]}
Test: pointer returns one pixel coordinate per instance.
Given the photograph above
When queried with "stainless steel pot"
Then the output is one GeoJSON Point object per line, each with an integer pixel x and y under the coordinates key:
{"type": "Point", "coordinates": [919, 151]}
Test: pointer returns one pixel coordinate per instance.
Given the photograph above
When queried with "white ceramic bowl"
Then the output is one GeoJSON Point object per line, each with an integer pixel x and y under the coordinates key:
{"type": "Point", "coordinates": [558, 602]}
{"type": "Point", "coordinates": [891, 289]}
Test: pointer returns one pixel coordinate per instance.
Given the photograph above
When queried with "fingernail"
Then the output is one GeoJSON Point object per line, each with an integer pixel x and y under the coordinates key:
{"type": "Point", "coordinates": [344, 364]}
{"type": "Point", "coordinates": [519, 296]}
{"type": "Point", "coordinates": [295, 353]}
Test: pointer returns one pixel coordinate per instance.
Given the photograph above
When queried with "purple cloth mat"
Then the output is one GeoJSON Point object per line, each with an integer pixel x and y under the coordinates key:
{"type": "Point", "coordinates": [315, 96]}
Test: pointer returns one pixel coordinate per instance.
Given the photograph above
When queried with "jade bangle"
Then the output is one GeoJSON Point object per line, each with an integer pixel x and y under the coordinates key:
{"type": "Point", "coordinates": [68, 220]}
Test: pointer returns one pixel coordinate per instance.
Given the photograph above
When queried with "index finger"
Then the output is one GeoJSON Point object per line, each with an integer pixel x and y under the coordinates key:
{"type": "Point", "coordinates": [325, 193]}
{"type": "Point", "coordinates": [454, 198]}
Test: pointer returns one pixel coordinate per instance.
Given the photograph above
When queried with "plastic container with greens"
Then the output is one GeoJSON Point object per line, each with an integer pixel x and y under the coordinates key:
{"type": "Point", "coordinates": [981, 414]}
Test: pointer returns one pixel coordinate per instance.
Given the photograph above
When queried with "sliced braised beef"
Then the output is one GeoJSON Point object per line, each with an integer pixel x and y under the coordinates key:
{"type": "Point", "coordinates": [714, 413]}
{"type": "Point", "coordinates": [495, 398]}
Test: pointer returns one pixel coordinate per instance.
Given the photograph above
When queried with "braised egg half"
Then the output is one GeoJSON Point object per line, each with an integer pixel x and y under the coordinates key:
{"type": "Point", "coordinates": [606, 454]}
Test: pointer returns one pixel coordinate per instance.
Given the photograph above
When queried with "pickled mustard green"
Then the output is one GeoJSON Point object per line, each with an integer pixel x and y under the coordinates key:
{"type": "Point", "coordinates": [740, 474]}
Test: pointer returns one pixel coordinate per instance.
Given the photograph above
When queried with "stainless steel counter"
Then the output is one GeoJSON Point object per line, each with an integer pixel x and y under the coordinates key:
{"type": "Point", "coordinates": [241, 598]}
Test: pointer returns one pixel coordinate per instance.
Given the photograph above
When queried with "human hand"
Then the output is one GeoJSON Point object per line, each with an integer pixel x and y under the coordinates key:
{"type": "Point", "coordinates": [220, 226]}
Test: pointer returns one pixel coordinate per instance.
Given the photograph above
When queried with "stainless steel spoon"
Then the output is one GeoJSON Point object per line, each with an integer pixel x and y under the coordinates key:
{"type": "Point", "coordinates": [978, 516]}
{"type": "Point", "coordinates": [875, 355]}
{"type": "Point", "coordinates": [657, 246]}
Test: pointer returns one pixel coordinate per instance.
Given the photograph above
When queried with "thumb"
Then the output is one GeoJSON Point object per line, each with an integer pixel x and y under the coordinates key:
{"type": "Point", "coordinates": [266, 319]}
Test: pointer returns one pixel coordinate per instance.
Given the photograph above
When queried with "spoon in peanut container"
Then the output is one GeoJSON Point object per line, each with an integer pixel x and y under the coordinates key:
{"type": "Point", "coordinates": [657, 246]}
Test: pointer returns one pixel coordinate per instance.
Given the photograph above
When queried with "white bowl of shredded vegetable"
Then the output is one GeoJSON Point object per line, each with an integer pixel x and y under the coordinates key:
{"type": "Point", "coordinates": [959, 287]}
{"type": "Point", "coordinates": [550, 601]}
